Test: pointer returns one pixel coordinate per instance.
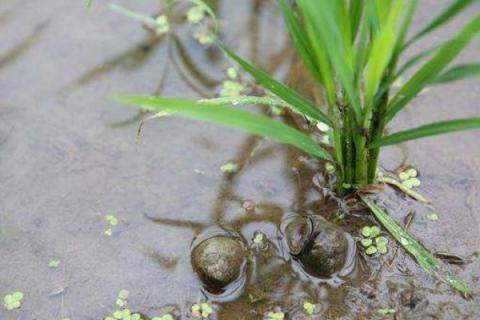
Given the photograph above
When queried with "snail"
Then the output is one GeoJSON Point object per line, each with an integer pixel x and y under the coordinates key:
{"type": "Point", "coordinates": [219, 261]}
{"type": "Point", "coordinates": [320, 247]}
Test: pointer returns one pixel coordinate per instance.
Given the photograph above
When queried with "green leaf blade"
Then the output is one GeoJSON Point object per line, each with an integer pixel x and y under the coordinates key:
{"type": "Point", "coordinates": [448, 14]}
{"type": "Point", "coordinates": [322, 16]}
{"type": "Point", "coordinates": [282, 91]}
{"type": "Point", "coordinates": [456, 73]}
{"type": "Point", "coordinates": [428, 130]}
{"type": "Point", "coordinates": [433, 67]}
{"type": "Point", "coordinates": [423, 257]}
{"type": "Point", "coordinates": [231, 117]}
{"type": "Point", "coordinates": [300, 39]}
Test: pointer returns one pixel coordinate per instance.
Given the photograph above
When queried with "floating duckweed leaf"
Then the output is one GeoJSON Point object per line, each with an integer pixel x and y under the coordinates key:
{"type": "Point", "coordinates": [411, 183]}
{"type": "Point", "coordinates": [229, 167]}
{"type": "Point", "coordinates": [231, 89]}
{"type": "Point", "coordinates": [366, 231]}
{"type": "Point", "coordinates": [13, 301]}
{"type": "Point", "coordinates": [111, 219]}
{"type": "Point", "coordinates": [403, 176]}
{"type": "Point", "coordinates": [383, 249]}
{"type": "Point", "coordinates": [385, 311]}
{"type": "Point", "coordinates": [276, 315]}
{"type": "Point", "coordinates": [117, 314]}
{"type": "Point", "coordinates": [123, 294]}
{"type": "Point", "coordinates": [232, 73]}
{"type": "Point", "coordinates": [195, 14]}
{"type": "Point", "coordinates": [196, 310]}
{"type": "Point", "coordinates": [412, 173]}
{"type": "Point", "coordinates": [258, 238]}
{"type": "Point", "coordinates": [415, 182]}
{"type": "Point", "coordinates": [206, 310]}
{"type": "Point", "coordinates": [164, 317]}
{"type": "Point", "coordinates": [371, 250]}
{"type": "Point", "coordinates": [54, 264]}
{"type": "Point", "coordinates": [329, 168]}
{"type": "Point", "coordinates": [432, 217]}
{"type": "Point", "coordinates": [162, 24]}
{"type": "Point", "coordinates": [108, 232]}
{"type": "Point", "coordinates": [381, 241]}
{"type": "Point", "coordinates": [366, 242]}
{"type": "Point", "coordinates": [374, 231]}
{"type": "Point", "coordinates": [309, 308]}
{"type": "Point", "coordinates": [204, 36]}
{"type": "Point", "coordinates": [120, 303]}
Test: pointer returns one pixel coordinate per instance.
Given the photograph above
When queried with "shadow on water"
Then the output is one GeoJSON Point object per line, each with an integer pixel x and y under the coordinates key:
{"type": "Point", "coordinates": [25, 44]}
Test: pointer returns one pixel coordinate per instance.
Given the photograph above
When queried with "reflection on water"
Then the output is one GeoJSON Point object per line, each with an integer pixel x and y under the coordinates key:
{"type": "Point", "coordinates": [68, 161]}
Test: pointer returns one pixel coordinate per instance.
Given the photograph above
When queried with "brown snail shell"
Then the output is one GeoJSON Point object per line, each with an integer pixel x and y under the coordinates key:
{"type": "Point", "coordinates": [218, 261]}
{"type": "Point", "coordinates": [320, 246]}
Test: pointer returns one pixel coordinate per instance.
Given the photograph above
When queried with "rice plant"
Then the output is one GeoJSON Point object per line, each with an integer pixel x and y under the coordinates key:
{"type": "Point", "coordinates": [353, 49]}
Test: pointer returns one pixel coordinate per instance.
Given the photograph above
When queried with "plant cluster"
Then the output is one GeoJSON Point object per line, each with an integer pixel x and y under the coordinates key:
{"type": "Point", "coordinates": [355, 50]}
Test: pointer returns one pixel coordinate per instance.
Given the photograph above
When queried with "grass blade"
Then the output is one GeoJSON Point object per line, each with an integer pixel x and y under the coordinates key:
{"type": "Point", "coordinates": [423, 257]}
{"type": "Point", "coordinates": [457, 73]}
{"type": "Point", "coordinates": [300, 39]}
{"type": "Point", "coordinates": [231, 117]}
{"type": "Point", "coordinates": [449, 13]}
{"type": "Point", "coordinates": [407, 21]}
{"type": "Point", "coordinates": [416, 59]}
{"type": "Point", "coordinates": [428, 130]}
{"type": "Point", "coordinates": [282, 91]}
{"type": "Point", "coordinates": [322, 15]}
{"type": "Point", "coordinates": [433, 67]}
{"type": "Point", "coordinates": [381, 53]}
{"type": "Point", "coordinates": [356, 12]}
{"type": "Point", "coordinates": [140, 17]}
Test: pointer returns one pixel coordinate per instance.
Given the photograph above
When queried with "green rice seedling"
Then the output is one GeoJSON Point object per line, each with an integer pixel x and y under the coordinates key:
{"type": "Point", "coordinates": [353, 49]}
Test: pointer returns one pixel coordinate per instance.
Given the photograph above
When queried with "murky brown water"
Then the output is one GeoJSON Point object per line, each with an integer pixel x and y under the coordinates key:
{"type": "Point", "coordinates": [68, 157]}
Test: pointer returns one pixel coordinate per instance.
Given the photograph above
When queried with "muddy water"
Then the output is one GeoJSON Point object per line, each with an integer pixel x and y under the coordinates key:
{"type": "Point", "coordinates": [69, 157]}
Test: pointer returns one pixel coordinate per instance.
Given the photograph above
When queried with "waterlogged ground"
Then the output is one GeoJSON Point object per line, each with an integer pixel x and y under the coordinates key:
{"type": "Point", "coordinates": [69, 157]}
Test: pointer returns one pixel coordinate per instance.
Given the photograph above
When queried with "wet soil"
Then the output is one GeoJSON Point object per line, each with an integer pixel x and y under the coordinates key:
{"type": "Point", "coordinates": [69, 156]}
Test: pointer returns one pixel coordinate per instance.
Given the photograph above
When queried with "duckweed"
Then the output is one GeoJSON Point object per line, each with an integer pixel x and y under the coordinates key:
{"type": "Point", "coordinates": [232, 73]}
{"type": "Point", "coordinates": [371, 234]}
{"type": "Point", "coordinates": [201, 311]}
{"type": "Point", "coordinates": [195, 14]}
{"type": "Point", "coordinates": [54, 264]}
{"type": "Point", "coordinates": [409, 178]}
{"type": "Point", "coordinates": [112, 222]}
{"type": "Point", "coordinates": [309, 308]}
{"type": "Point", "coordinates": [386, 311]}
{"type": "Point", "coordinates": [229, 167]}
{"type": "Point", "coordinates": [278, 315]}
{"type": "Point", "coordinates": [231, 89]}
{"type": "Point", "coordinates": [163, 26]}
{"type": "Point", "coordinates": [164, 317]}
{"type": "Point", "coordinates": [13, 301]}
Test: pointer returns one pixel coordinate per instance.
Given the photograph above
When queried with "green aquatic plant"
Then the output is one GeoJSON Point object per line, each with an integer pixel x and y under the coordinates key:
{"type": "Point", "coordinates": [354, 49]}
{"type": "Point", "coordinates": [13, 301]}
{"type": "Point", "coordinates": [201, 311]}
{"type": "Point", "coordinates": [372, 241]}
{"type": "Point", "coordinates": [112, 222]}
{"type": "Point", "coordinates": [54, 264]}
{"type": "Point", "coordinates": [309, 308]}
